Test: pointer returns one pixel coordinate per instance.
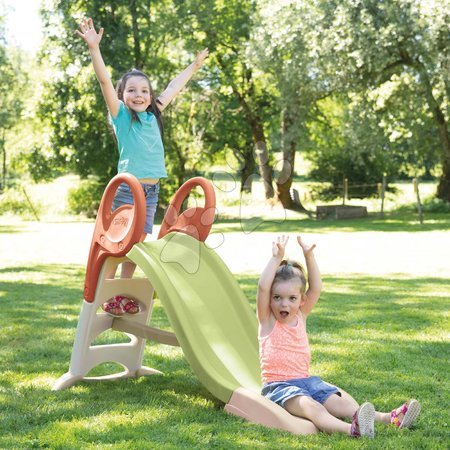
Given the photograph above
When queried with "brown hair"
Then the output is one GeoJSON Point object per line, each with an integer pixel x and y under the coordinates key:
{"type": "Point", "coordinates": [290, 270]}
{"type": "Point", "coordinates": [153, 107]}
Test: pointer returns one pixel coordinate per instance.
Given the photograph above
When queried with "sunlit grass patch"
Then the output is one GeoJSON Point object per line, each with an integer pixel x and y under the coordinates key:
{"type": "Point", "coordinates": [382, 339]}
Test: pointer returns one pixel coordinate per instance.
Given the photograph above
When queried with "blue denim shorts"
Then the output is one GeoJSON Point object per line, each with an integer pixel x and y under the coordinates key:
{"type": "Point", "coordinates": [124, 196]}
{"type": "Point", "coordinates": [281, 391]}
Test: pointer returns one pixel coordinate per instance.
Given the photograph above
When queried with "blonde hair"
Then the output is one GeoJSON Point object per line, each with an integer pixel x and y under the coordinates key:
{"type": "Point", "coordinates": [291, 270]}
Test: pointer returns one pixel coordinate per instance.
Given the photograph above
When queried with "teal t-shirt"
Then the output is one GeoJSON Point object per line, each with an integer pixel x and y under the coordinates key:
{"type": "Point", "coordinates": [141, 150]}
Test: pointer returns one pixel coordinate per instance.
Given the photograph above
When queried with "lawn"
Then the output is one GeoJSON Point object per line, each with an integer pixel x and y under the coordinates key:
{"type": "Point", "coordinates": [380, 339]}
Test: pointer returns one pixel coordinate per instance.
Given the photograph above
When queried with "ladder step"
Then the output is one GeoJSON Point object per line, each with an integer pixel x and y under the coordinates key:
{"type": "Point", "coordinates": [145, 331]}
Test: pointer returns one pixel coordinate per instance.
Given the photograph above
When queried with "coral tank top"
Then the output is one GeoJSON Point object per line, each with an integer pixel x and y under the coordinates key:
{"type": "Point", "coordinates": [284, 354]}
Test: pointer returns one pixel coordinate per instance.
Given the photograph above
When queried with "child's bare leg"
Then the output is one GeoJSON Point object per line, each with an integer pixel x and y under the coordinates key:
{"type": "Point", "coordinates": [346, 405]}
{"type": "Point", "coordinates": [403, 416]}
{"type": "Point", "coordinates": [382, 417]}
{"type": "Point", "coordinates": [341, 406]}
{"type": "Point", "coordinates": [127, 271]}
{"type": "Point", "coordinates": [308, 408]}
{"type": "Point", "coordinates": [111, 274]}
{"type": "Point", "coordinates": [129, 267]}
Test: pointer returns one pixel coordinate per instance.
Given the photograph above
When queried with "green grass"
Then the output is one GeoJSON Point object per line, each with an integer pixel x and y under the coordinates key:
{"type": "Point", "coordinates": [380, 339]}
{"type": "Point", "coordinates": [392, 222]}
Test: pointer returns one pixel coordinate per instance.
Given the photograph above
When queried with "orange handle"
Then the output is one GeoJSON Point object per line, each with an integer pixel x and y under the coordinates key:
{"type": "Point", "coordinates": [196, 222]}
{"type": "Point", "coordinates": [116, 232]}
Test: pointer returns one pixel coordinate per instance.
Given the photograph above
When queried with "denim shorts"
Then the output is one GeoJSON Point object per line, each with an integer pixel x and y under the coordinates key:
{"type": "Point", "coordinates": [281, 391]}
{"type": "Point", "coordinates": [124, 196]}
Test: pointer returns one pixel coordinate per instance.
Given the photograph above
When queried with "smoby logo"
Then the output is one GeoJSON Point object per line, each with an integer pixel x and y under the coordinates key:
{"type": "Point", "coordinates": [120, 221]}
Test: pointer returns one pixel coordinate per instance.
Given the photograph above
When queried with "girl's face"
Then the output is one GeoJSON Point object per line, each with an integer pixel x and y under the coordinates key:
{"type": "Point", "coordinates": [286, 299]}
{"type": "Point", "coordinates": [136, 94]}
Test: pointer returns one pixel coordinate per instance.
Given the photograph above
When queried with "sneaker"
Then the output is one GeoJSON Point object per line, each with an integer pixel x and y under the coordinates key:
{"type": "Point", "coordinates": [363, 423]}
{"type": "Point", "coordinates": [129, 306]}
{"type": "Point", "coordinates": [408, 414]}
{"type": "Point", "coordinates": [114, 307]}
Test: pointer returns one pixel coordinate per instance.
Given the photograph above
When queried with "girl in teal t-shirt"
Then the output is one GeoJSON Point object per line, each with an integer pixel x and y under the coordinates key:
{"type": "Point", "coordinates": [135, 115]}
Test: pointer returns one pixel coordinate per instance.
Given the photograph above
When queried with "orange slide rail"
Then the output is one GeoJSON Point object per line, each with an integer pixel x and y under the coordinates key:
{"type": "Point", "coordinates": [116, 232]}
{"type": "Point", "coordinates": [196, 221]}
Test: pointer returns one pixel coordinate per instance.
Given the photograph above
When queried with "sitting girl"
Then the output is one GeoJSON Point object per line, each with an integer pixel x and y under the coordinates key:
{"type": "Point", "coordinates": [283, 305]}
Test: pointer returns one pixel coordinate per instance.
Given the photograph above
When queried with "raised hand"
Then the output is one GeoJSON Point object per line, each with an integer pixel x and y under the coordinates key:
{"type": "Point", "coordinates": [305, 247]}
{"type": "Point", "coordinates": [200, 58]}
{"type": "Point", "coordinates": [279, 246]}
{"type": "Point", "coordinates": [88, 33]}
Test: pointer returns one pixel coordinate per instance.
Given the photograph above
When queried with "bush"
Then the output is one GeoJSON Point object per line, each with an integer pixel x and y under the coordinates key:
{"type": "Point", "coordinates": [14, 201]}
{"type": "Point", "coordinates": [86, 198]}
{"type": "Point", "coordinates": [436, 205]}
{"type": "Point", "coordinates": [40, 166]}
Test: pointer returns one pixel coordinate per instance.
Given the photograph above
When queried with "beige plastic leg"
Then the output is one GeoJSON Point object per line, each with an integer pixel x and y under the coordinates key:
{"type": "Point", "coordinates": [93, 322]}
{"type": "Point", "coordinates": [257, 409]}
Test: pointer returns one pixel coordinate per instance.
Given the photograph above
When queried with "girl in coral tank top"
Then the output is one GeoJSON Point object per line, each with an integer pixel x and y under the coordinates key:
{"type": "Point", "coordinates": [286, 296]}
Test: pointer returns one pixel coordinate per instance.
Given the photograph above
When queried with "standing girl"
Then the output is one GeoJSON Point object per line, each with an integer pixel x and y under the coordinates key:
{"type": "Point", "coordinates": [135, 115]}
{"type": "Point", "coordinates": [283, 304]}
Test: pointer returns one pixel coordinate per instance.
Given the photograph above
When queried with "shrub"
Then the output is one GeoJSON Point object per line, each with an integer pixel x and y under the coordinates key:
{"type": "Point", "coordinates": [436, 205]}
{"type": "Point", "coordinates": [14, 201]}
{"type": "Point", "coordinates": [86, 198]}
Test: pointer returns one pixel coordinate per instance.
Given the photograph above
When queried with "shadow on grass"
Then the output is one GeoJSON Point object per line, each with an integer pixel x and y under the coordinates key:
{"type": "Point", "coordinates": [12, 229]}
{"type": "Point", "coordinates": [175, 408]}
{"type": "Point", "coordinates": [391, 223]}
{"type": "Point", "coordinates": [159, 410]}
{"type": "Point", "coordinates": [376, 338]}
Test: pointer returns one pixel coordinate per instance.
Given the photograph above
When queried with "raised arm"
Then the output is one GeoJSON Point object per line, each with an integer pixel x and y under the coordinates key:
{"type": "Point", "coordinates": [92, 39]}
{"type": "Point", "coordinates": [266, 279]}
{"type": "Point", "coordinates": [178, 83]}
{"type": "Point", "coordinates": [314, 279]}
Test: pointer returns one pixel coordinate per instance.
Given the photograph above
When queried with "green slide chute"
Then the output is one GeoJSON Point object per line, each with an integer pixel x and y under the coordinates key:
{"type": "Point", "coordinates": [212, 319]}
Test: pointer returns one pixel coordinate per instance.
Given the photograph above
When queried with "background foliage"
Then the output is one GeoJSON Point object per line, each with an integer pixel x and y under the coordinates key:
{"type": "Point", "coordinates": [360, 87]}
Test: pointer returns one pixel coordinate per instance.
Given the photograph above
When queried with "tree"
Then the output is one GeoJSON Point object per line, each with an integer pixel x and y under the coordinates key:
{"type": "Point", "coordinates": [280, 49]}
{"type": "Point", "coordinates": [351, 51]}
{"type": "Point", "coordinates": [365, 43]}
{"type": "Point", "coordinates": [225, 28]}
{"type": "Point", "coordinates": [347, 142]}
{"type": "Point", "coordinates": [11, 103]}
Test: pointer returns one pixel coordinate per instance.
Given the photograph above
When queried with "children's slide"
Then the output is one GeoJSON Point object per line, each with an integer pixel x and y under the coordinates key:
{"type": "Point", "coordinates": [210, 316]}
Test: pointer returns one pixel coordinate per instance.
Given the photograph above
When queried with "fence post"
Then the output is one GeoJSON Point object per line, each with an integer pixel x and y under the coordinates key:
{"type": "Point", "coordinates": [419, 203]}
{"type": "Point", "coordinates": [345, 191]}
{"type": "Point", "coordinates": [380, 195]}
{"type": "Point", "coordinates": [381, 192]}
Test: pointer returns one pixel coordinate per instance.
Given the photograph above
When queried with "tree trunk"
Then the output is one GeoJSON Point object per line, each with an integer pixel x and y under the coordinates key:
{"type": "Point", "coordinates": [265, 170]}
{"type": "Point", "coordinates": [443, 190]}
{"type": "Point", "coordinates": [261, 152]}
{"type": "Point", "coordinates": [138, 61]}
{"type": "Point", "coordinates": [247, 171]}
{"type": "Point", "coordinates": [284, 180]}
